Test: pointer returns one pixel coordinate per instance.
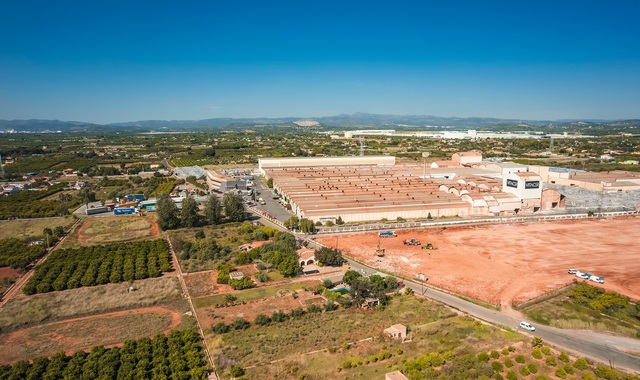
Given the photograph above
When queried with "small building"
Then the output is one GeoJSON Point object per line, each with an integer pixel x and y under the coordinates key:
{"type": "Point", "coordinates": [220, 182]}
{"type": "Point", "coordinates": [237, 275]}
{"type": "Point", "coordinates": [306, 256]}
{"type": "Point", "coordinates": [395, 375]}
{"type": "Point", "coordinates": [397, 331]}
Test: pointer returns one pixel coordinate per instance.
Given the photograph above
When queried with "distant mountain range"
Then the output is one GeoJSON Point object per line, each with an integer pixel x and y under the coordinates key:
{"type": "Point", "coordinates": [353, 121]}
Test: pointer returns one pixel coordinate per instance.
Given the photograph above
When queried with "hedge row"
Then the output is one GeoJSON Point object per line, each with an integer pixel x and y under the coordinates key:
{"type": "Point", "coordinates": [177, 356]}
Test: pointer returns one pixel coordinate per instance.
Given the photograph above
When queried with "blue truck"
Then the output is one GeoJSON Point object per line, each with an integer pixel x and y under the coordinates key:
{"type": "Point", "coordinates": [386, 234]}
{"type": "Point", "coordinates": [124, 211]}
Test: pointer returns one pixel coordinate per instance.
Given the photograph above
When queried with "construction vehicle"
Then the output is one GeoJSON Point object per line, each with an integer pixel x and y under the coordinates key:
{"type": "Point", "coordinates": [379, 250]}
{"type": "Point", "coordinates": [429, 246]}
{"type": "Point", "coordinates": [411, 241]}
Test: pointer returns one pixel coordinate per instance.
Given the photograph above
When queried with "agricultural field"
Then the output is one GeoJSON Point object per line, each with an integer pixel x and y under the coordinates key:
{"type": "Point", "coordinates": [25, 311]}
{"type": "Point", "coordinates": [97, 265]}
{"type": "Point", "coordinates": [31, 229]}
{"type": "Point", "coordinates": [177, 355]}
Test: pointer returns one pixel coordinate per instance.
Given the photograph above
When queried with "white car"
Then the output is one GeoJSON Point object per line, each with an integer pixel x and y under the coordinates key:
{"type": "Point", "coordinates": [527, 326]}
{"type": "Point", "coordinates": [572, 271]}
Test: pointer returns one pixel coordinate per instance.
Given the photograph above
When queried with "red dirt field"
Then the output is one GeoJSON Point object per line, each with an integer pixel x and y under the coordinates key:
{"type": "Point", "coordinates": [8, 273]}
{"type": "Point", "coordinates": [511, 263]}
{"type": "Point", "coordinates": [209, 316]}
{"type": "Point", "coordinates": [109, 329]}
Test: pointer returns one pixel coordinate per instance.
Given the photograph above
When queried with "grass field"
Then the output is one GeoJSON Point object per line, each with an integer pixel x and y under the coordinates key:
{"type": "Point", "coordinates": [353, 334]}
{"type": "Point", "coordinates": [31, 228]}
{"type": "Point", "coordinates": [56, 306]}
{"type": "Point", "coordinates": [112, 229]}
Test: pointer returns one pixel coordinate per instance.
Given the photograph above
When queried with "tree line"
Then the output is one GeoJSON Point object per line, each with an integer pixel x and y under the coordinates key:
{"type": "Point", "coordinates": [217, 211]}
{"type": "Point", "coordinates": [18, 254]}
{"type": "Point", "coordinates": [89, 266]}
{"type": "Point", "coordinates": [176, 356]}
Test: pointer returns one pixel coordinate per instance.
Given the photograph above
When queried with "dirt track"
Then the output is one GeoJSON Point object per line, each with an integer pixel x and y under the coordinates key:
{"type": "Point", "coordinates": [505, 264]}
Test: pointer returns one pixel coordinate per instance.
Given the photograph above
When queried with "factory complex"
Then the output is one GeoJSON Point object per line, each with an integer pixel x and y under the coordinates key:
{"type": "Point", "coordinates": [370, 188]}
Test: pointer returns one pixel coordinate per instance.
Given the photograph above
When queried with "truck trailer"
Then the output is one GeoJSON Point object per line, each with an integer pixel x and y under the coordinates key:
{"type": "Point", "coordinates": [386, 234]}
{"type": "Point", "coordinates": [97, 210]}
{"type": "Point", "coordinates": [124, 211]}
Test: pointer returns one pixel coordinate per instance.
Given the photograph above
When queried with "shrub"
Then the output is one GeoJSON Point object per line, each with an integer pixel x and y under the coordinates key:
{"type": "Point", "coordinates": [568, 369]}
{"type": "Point", "coordinates": [508, 363]}
{"type": "Point", "coordinates": [511, 375]}
{"type": "Point", "coordinates": [220, 328]}
{"type": "Point", "coordinates": [606, 373]}
{"type": "Point", "coordinates": [330, 306]}
{"type": "Point", "coordinates": [520, 359]}
{"type": "Point", "coordinates": [588, 376]}
{"type": "Point", "coordinates": [536, 342]}
{"type": "Point", "coordinates": [511, 348]}
{"type": "Point", "coordinates": [546, 350]}
{"type": "Point", "coordinates": [239, 324]}
{"type": "Point", "coordinates": [497, 366]}
{"type": "Point", "coordinates": [314, 309]}
{"type": "Point", "coordinates": [542, 377]}
{"type": "Point", "coordinates": [561, 373]}
{"type": "Point", "coordinates": [297, 312]}
{"type": "Point", "coordinates": [581, 364]}
{"type": "Point", "coordinates": [278, 316]}
{"type": "Point", "coordinates": [495, 354]}
{"type": "Point", "coordinates": [563, 357]}
{"type": "Point", "coordinates": [524, 371]}
{"type": "Point", "coordinates": [536, 354]}
{"type": "Point", "coordinates": [551, 361]}
{"type": "Point", "coordinates": [532, 368]}
{"type": "Point", "coordinates": [236, 371]}
{"type": "Point", "coordinates": [505, 351]}
{"type": "Point", "coordinates": [262, 320]}
{"type": "Point", "coordinates": [483, 357]}
{"type": "Point", "coordinates": [399, 351]}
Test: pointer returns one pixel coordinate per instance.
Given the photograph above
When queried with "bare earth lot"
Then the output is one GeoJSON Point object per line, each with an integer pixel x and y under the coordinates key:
{"type": "Point", "coordinates": [505, 264]}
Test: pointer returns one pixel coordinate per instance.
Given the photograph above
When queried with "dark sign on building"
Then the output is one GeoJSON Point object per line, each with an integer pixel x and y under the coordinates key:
{"type": "Point", "coordinates": [512, 183]}
{"type": "Point", "coordinates": [532, 185]}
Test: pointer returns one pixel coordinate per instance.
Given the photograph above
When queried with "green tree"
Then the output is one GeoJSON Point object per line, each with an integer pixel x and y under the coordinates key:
{"type": "Point", "coordinates": [307, 226]}
{"type": "Point", "coordinates": [270, 183]}
{"type": "Point", "coordinates": [292, 223]}
{"type": "Point", "coordinates": [213, 210]}
{"type": "Point", "coordinates": [167, 212]}
{"type": "Point", "coordinates": [351, 275]}
{"type": "Point", "coordinates": [189, 214]}
{"type": "Point", "coordinates": [234, 207]}
{"type": "Point", "coordinates": [329, 256]}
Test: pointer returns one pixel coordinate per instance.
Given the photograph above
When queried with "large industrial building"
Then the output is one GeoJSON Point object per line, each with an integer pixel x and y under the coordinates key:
{"type": "Point", "coordinates": [369, 188]}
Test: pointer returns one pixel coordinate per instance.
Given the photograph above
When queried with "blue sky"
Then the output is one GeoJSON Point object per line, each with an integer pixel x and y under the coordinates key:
{"type": "Point", "coordinates": [137, 60]}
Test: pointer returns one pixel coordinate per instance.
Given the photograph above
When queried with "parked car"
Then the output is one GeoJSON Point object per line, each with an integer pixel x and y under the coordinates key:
{"type": "Point", "coordinates": [597, 279]}
{"type": "Point", "coordinates": [527, 326]}
{"type": "Point", "coordinates": [583, 275]}
{"type": "Point", "coordinates": [572, 271]}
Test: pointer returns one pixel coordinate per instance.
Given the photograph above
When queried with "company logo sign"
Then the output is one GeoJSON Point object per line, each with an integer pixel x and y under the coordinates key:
{"type": "Point", "coordinates": [512, 183]}
{"type": "Point", "coordinates": [532, 185]}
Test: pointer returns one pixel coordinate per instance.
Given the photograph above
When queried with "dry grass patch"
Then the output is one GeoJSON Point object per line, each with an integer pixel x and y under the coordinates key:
{"type": "Point", "coordinates": [106, 230]}
{"type": "Point", "coordinates": [80, 334]}
{"type": "Point", "coordinates": [31, 228]}
{"type": "Point", "coordinates": [55, 306]}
